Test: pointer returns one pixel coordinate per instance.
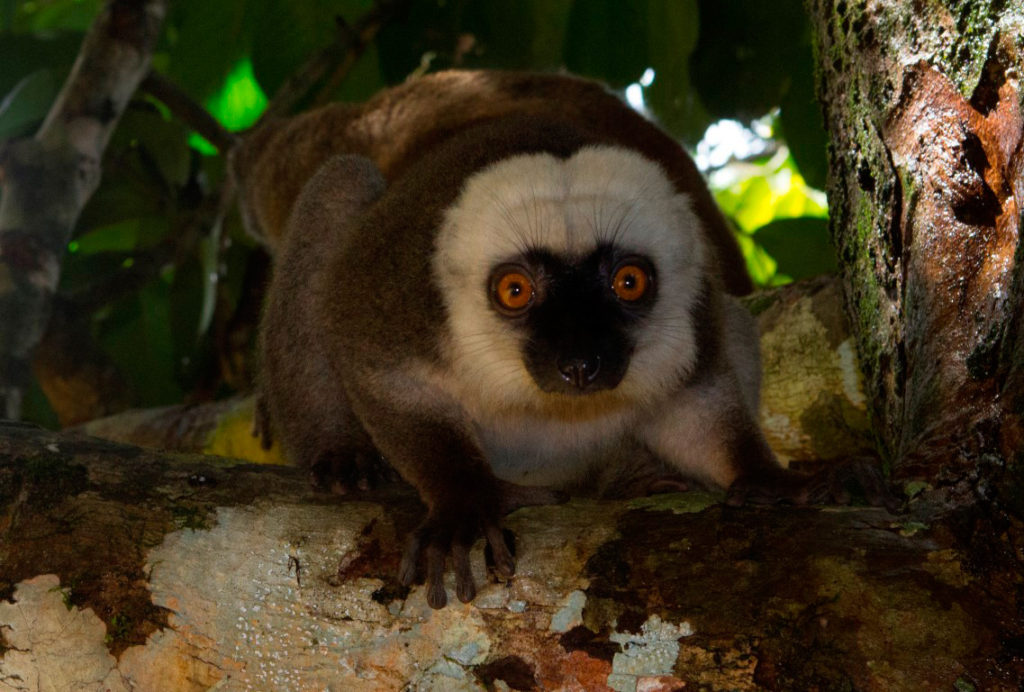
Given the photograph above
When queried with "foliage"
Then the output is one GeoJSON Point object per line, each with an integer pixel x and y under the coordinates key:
{"type": "Point", "coordinates": [171, 297]}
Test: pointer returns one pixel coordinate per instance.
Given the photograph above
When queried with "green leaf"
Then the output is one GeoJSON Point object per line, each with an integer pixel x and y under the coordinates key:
{"type": "Point", "coordinates": [428, 27]}
{"type": "Point", "coordinates": [672, 36]}
{"type": "Point", "coordinates": [57, 15]}
{"type": "Point", "coordinates": [136, 334]}
{"type": "Point", "coordinates": [512, 34]}
{"type": "Point", "coordinates": [22, 55]}
{"type": "Point", "coordinates": [759, 263]}
{"type": "Point", "coordinates": [608, 40]}
{"type": "Point", "coordinates": [286, 34]}
{"type": "Point", "coordinates": [802, 126]}
{"type": "Point", "coordinates": [25, 106]}
{"type": "Point", "coordinates": [754, 205]}
{"type": "Point", "coordinates": [747, 51]}
{"type": "Point", "coordinates": [205, 41]}
{"type": "Point", "coordinates": [157, 141]}
{"type": "Point", "coordinates": [120, 237]}
{"type": "Point", "coordinates": [124, 236]}
{"type": "Point", "coordinates": [801, 246]}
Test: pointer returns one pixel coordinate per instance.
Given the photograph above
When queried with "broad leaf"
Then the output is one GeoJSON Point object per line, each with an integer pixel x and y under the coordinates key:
{"type": "Point", "coordinates": [25, 106]}
{"type": "Point", "coordinates": [608, 40]}
{"type": "Point", "coordinates": [801, 247]}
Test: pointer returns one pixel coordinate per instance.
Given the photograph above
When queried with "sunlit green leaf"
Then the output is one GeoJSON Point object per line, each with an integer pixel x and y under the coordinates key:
{"type": "Point", "coordinates": [756, 196]}
{"type": "Point", "coordinates": [754, 207]}
{"type": "Point", "coordinates": [237, 105]}
{"type": "Point", "coordinates": [241, 101]}
{"type": "Point", "coordinates": [759, 263]}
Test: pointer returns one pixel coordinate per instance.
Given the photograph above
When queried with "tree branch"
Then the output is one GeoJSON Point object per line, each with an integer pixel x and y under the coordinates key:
{"type": "Point", "coordinates": [352, 41]}
{"type": "Point", "coordinates": [191, 113]}
{"type": "Point", "coordinates": [178, 572]}
{"type": "Point", "coordinates": [46, 180]}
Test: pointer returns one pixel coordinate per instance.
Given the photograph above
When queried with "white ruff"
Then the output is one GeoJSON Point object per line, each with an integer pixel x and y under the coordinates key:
{"type": "Point", "coordinates": [601, 195]}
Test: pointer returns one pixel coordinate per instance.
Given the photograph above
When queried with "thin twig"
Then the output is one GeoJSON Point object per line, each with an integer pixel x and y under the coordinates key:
{"type": "Point", "coordinates": [190, 112]}
{"type": "Point", "coordinates": [358, 42]}
{"type": "Point", "coordinates": [352, 39]}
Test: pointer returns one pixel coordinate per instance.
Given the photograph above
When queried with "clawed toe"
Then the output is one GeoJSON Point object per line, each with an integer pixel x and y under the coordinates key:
{"type": "Point", "coordinates": [433, 542]}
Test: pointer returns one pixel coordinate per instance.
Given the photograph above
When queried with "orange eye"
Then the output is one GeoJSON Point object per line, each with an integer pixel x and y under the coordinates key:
{"type": "Point", "coordinates": [630, 282]}
{"type": "Point", "coordinates": [513, 291]}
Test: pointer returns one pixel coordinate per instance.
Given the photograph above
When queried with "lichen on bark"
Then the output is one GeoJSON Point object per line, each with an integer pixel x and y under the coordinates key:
{"type": "Point", "coordinates": [923, 104]}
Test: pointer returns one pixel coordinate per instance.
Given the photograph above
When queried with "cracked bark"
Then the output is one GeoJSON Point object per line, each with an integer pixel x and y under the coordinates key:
{"type": "Point", "coordinates": [923, 102]}
{"type": "Point", "coordinates": [180, 571]}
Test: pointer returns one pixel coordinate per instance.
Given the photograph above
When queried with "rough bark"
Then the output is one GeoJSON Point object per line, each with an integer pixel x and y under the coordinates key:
{"type": "Point", "coordinates": [47, 179]}
{"type": "Point", "coordinates": [159, 572]}
{"type": "Point", "coordinates": [184, 572]}
{"type": "Point", "coordinates": [923, 103]}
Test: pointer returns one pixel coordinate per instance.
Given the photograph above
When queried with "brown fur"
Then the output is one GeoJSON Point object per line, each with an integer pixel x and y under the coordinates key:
{"type": "Point", "coordinates": [354, 326]}
{"type": "Point", "coordinates": [395, 128]}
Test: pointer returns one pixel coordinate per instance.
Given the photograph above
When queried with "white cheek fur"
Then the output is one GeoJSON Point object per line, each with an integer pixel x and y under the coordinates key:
{"type": "Point", "coordinates": [600, 195]}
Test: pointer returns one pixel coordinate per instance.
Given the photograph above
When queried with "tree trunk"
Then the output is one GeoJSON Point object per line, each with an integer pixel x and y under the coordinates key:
{"type": "Point", "coordinates": [47, 179]}
{"type": "Point", "coordinates": [923, 102]}
{"type": "Point", "coordinates": [155, 572]}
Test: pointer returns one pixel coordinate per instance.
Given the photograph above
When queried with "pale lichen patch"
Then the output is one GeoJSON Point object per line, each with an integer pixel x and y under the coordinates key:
{"type": "Point", "coordinates": [812, 403]}
{"type": "Point", "coordinates": [651, 653]}
{"type": "Point", "coordinates": [51, 646]}
{"type": "Point", "coordinates": [273, 613]}
{"type": "Point", "coordinates": [550, 563]}
{"type": "Point", "coordinates": [571, 613]}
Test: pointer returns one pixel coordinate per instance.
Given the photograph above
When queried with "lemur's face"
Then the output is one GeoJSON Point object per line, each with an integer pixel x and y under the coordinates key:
{"type": "Point", "coordinates": [571, 277]}
{"type": "Point", "coordinates": [578, 317]}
